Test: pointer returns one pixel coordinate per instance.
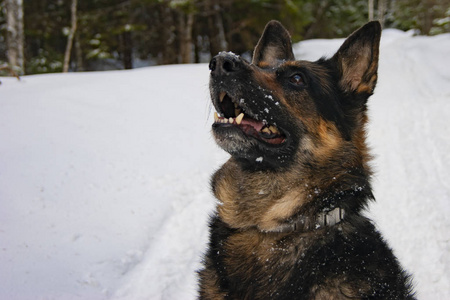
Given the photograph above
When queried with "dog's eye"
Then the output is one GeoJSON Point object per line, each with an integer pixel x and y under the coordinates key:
{"type": "Point", "coordinates": [297, 80]}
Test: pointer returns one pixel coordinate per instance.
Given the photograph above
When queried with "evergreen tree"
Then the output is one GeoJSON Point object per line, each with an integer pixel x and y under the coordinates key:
{"type": "Point", "coordinates": [116, 34]}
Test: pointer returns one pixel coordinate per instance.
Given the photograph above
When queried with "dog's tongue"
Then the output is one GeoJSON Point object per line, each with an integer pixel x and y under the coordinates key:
{"type": "Point", "coordinates": [251, 127]}
{"type": "Point", "coordinates": [257, 125]}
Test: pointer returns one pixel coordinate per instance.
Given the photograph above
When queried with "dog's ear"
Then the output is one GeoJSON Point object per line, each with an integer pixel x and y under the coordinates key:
{"type": "Point", "coordinates": [357, 59]}
{"type": "Point", "coordinates": [273, 46]}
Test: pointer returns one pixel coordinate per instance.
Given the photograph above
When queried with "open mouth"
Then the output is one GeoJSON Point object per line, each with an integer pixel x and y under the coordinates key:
{"type": "Point", "coordinates": [232, 113]}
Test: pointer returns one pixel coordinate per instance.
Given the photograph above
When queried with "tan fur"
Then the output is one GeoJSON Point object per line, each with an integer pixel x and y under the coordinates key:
{"type": "Point", "coordinates": [340, 288]}
{"type": "Point", "coordinates": [329, 139]}
{"type": "Point", "coordinates": [267, 80]}
{"type": "Point", "coordinates": [360, 144]}
{"type": "Point", "coordinates": [269, 57]}
{"type": "Point", "coordinates": [257, 199]}
{"type": "Point", "coordinates": [354, 68]}
{"type": "Point", "coordinates": [282, 209]}
{"type": "Point", "coordinates": [210, 286]}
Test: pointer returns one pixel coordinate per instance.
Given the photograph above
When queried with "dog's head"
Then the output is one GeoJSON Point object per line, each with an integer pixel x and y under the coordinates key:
{"type": "Point", "coordinates": [276, 111]}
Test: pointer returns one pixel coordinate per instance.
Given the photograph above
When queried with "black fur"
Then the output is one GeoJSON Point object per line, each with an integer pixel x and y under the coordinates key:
{"type": "Point", "coordinates": [360, 256]}
{"type": "Point", "coordinates": [314, 162]}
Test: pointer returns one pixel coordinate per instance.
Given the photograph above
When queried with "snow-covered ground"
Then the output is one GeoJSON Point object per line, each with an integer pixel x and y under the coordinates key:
{"type": "Point", "coordinates": [104, 177]}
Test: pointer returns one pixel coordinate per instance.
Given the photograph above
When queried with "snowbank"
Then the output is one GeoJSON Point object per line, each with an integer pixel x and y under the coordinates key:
{"type": "Point", "coordinates": [104, 177]}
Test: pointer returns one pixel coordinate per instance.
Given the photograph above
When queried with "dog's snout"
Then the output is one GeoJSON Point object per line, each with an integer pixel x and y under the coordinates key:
{"type": "Point", "coordinates": [225, 63]}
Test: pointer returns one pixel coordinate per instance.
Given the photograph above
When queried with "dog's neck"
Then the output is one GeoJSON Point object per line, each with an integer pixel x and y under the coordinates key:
{"type": "Point", "coordinates": [285, 201]}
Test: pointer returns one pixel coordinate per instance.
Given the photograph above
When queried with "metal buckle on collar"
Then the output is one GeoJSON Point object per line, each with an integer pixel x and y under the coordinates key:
{"type": "Point", "coordinates": [331, 218]}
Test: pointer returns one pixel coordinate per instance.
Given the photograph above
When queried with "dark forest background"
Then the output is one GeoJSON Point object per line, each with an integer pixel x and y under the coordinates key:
{"type": "Point", "coordinates": [76, 35]}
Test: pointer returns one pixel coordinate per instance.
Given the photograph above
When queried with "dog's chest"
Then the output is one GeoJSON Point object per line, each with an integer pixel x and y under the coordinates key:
{"type": "Point", "coordinates": [259, 264]}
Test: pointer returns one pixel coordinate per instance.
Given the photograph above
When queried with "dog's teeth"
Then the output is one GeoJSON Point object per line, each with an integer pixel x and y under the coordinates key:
{"type": "Point", "coordinates": [216, 117]}
{"type": "Point", "coordinates": [239, 118]}
{"type": "Point", "coordinates": [266, 130]}
{"type": "Point", "coordinates": [231, 120]}
{"type": "Point", "coordinates": [222, 95]}
{"type": "Point", "coordinates": [274, 129]}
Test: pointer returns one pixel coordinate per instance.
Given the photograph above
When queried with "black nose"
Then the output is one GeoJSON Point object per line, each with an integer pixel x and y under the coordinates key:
{"type": "Point", "coordinates": [225, 63]}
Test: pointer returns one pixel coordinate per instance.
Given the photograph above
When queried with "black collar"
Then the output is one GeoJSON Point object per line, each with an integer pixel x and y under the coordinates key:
{"type": "Point", "coordinates": [302, 223]}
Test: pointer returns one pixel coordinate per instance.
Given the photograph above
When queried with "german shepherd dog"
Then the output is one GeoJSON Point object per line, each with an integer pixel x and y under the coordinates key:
{"type": "Point", "coordinates": [289, 222]}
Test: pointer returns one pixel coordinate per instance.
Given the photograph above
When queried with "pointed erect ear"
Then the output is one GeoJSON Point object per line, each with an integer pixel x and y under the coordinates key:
{"type": "Point", "coordinates": [273, 46]}
{"type": "Point", "coordinates": [357, 59]}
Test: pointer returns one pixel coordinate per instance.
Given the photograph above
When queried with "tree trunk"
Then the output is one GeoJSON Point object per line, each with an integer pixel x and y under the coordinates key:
{"type": "Point", "coordinates": [15, 35]}
{"type": "Point", "coordinates": [198, 43]}
{"type": "Point", "coordinates": [78, 54]}
{"type": "Point", "coordinates": [370, 10]}
{"type": "Point", "coordinates": [73, 28]}
{"type": "Point", "coordinates": [186, 23]}
{"type": "Point", "coordinates": [427, 16]}
{"type": "Point", "coordinates": [168, 54]}
{"type": "Point", "coordinates": [127, 50]}
{"type": "Point", "coordinates": [217, 32]}
{"type": "Point", "coordinates": [318, 16]}
{"type": "Point", "coordinates": [382, 5]}
{"type": "Point", "coordinates": [219, 26]}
